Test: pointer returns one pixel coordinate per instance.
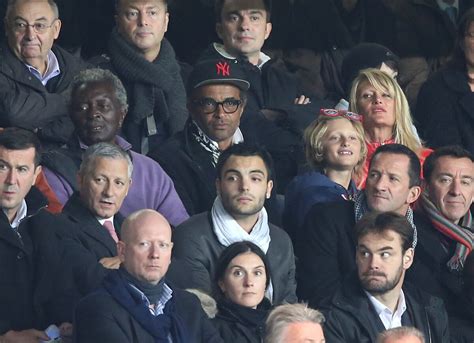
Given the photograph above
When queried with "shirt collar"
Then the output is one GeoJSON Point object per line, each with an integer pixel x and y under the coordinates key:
{"type": "Point", "coordinates": [52, 69]}
{"type": "Point", "coordinates": [161, 302]}
{"type": "Point", "coordinates": [443, 5]}
{"type": "Point", "coordinates": [102, 220]}
{"type": "Point", "coordinates": [237, 138]}
{"type": "Point", "coordinates": [20, 214]}
{"type": "Point", "coordinates": [385, 313]}
{"type": "Point", "coordinates": [263, 58]}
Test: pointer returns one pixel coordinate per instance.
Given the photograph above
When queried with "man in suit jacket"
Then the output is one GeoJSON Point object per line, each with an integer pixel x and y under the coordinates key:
{"type": "Point", "coordinates": [90, 245]}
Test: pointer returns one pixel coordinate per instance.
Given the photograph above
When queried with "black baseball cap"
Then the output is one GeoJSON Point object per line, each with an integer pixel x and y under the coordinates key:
{"type": "Point", "coordinates": [219, 71]}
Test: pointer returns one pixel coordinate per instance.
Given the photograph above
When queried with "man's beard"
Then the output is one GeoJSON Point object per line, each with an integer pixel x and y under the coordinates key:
{"type": "Point", "coordinates": [380, 287]}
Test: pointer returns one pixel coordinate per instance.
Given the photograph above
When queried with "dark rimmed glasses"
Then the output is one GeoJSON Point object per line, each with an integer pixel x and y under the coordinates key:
{"type": "Point", "coordinates": [329, 112]}
{"type": "Point", "coordinates": [209, 105]}
{"type": "Point", "coordinates": [39, 27]}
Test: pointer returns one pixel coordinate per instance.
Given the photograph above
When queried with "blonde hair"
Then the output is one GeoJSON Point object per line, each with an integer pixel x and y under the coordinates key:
{"type": "Point", "coordinates": [314, 139]}
{"type": "Point", "coordinates": [403, 130]}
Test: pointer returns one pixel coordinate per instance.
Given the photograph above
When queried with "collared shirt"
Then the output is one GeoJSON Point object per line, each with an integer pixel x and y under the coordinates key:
{"type": "Point", "coordinates": [157, 308]}
{"type": "Point", "coordinates": [443, 5]}
{"type": "Point", "coordinates": [52, 69]}
{"type": "Point", "coordinates": [20, 215]}
{"type": "Point", "coordinates": [262, 59]}
{"type": "Point", "coordinates": [389, 319]}
{"type": "Point", "coordinates": [102, 220]}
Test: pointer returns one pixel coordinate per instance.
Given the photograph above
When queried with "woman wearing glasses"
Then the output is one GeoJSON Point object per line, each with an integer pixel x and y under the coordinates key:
{"type": "Point", "coordinates": [386, 115]}
{"type": "Point", "coordinates": [241, 279]}
{"type": "Point", "coordinates": [335, 148]}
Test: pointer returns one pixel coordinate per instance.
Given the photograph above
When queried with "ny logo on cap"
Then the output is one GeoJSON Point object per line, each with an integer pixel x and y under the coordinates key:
{"type": "Point", "coordinates": [223, 68]}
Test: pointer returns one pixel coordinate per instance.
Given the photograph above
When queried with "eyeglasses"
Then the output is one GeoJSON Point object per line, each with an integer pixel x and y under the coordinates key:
{"type": "Point", "coordinates": [21, 27]}
{"type": "Point", "coordinates": [329, 112]}
{"type": "Point", "coordinates": [209, 105]}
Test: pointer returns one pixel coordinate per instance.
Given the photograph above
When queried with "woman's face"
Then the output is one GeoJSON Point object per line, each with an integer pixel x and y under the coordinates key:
{"type": "Point", "coordinates": [341, 145]}
{"type": "Point", "coordinates": [244, 280]}
{"type": "Point", "coordinates": [378, 108]}
{"type": "Point", "coordinates": [469, 46]}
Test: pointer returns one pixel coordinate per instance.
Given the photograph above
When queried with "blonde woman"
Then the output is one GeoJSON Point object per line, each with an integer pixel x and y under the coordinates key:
{"type": "Point", "coordinates": [335, 148]}
{"type": "Point", "coordinates": [386, 115]}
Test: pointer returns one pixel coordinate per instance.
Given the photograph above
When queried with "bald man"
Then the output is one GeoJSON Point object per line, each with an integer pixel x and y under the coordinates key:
{"type": "Point", "coordinates": [135, 303]}
{"type": "Point", "coordinates": [402, 334]}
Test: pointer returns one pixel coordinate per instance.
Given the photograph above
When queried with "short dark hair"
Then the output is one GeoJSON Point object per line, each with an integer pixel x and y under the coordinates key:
{"type": "Point", "coordinates": [166, 2]}
{"type": "Point", "coordinates": [414, 167]}
{"type": "Point", "coordinates": [14, 138]}
{"type": "Point", "coordinates": [229, 253]}
{"type": "Point", "coordinates": [454, 151]}
{"type": "Point", "coordinates": [246, 150]}
{"type": "Point", "coordinates": [379, 222]}
{"type": "Point", "coordinates": [219, 5]}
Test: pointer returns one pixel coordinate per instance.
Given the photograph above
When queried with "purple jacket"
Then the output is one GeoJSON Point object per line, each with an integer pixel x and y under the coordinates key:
{"type": "Point", "coordinates": [151, 187]}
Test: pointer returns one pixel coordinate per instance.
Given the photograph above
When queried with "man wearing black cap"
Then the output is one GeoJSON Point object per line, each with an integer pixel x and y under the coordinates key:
{"type": "Point", "coordinates": [217, 97]}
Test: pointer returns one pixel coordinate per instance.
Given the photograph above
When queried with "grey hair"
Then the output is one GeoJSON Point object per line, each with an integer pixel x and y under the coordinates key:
{"type": "Point", "coordinates": [286, 314]}
{"type": "Point", "coordinates": [51, 3]}
{"type": "Point", "coordinates": [103, 150]}
{"type": "Point", "coordinates": [101, 75]}
{"type": "Point", "coordinates": [400, 332]}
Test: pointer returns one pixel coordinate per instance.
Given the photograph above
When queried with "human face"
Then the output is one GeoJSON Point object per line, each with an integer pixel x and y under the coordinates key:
{"type": "Point", "coordinates": [104, 187]}
{"type": "Point", "coordinates": [17, 174]}
{"type": "Point", "coordinates": [303, 332]}
{"type": "Point", "coordinates": [341, 145]}
{"type": "Point", "coordinates": [388, 184]}
{"type": "Point", "coordinates": [468, 46]}
{"type": "Point", "coordinates": [244, 28]}
{"type": "Point", "coordinates": [451, 186]}
{"type": "Point", "coordinates": [96, 112]}
{"type": "Point", "coordinates": [145, 248]}
{"type": "Point", "coordinates": [243, 185]}
{"type": "Point", "coordinates": [218, 126]}
{"type": "Point", "coordinates": [244, 280]}
{"type": "Point", "coordinates": [381, 262]}
{"type": "Point", "coordinates": [378, 108]}
{"type": "Point", "coordinates": [143, 24]}
{"type": "Point", "coordinates": [30, 46]}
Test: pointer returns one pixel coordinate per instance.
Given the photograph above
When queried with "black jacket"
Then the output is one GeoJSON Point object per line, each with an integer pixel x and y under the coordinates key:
{"type": "Point", "coordinates": [29, 264]}
{"type": "Point", "coordinates": [83, 245]}
{"type": "Point", "coordinates": [196, 244]}
{"type": "Point", "coordinates": [239, 324]}
{"type": "Point", "coordinates": [325, 250]}
{"type": "Point", "coordinates": [100, 318]}
{"type": "Point", "coordinates": [351, 317]}
{"type": "Point", "coordinates": [445, 109]}
{"type": "Point", "coordinates": [430, 273]}
{"type": "Point", "coordinates": [26, 103]}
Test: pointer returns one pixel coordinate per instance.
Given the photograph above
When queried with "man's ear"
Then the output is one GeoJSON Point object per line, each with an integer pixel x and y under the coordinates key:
{"type": "Point", "coordinates": [36, 173]}
{"type": "Point", "coordinates": [121, 251]}
{"type": "Point", "coordinates": [218, 186]}
{"type": "Point", "coordinates": [269, 189]}
{"type": "Point", "coordinates": [219, 30]}
{"type": "Point", "coordinates": [268, 30]}
{"type": "Point", "coordinates": [408, 258]}
{"type": "Point", "coordinates": [413, 194]}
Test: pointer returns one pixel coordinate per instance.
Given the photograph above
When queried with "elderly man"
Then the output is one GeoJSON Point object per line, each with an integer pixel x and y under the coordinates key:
{"type": "Point", "coordinates": [375, 298]}
{"type": "Point", "coordinates": [28, 264]}
{"type": "Point", "coordinates": [34, 74]}
{"type": "Point", "coordinates": [244, 181]}
{"type": "Point", "coordinates": [243, 27]}
{"type": "Point", "coordinates": [294, 323]}
{"type": "Point", "coordinates": [446, 232]}
{"type": "Point", "coordinates": [89, 246]}
{"type": "Point", "coordinates": [98, 107]}
{"type": "Point", "coordinates": [402, 334]}
{"type": "Point", "coordinates": [136, 304]}
{"type": "Point", "coordinates": [325, 245]}
{"type": "Point", "coordinates": [146, 64]}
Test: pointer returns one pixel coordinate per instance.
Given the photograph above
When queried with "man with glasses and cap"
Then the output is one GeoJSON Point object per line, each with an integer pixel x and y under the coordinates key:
{"type": "Point", "coordinates": [34, 73]}
{"type": "Point", "coordinates": [217, 97]}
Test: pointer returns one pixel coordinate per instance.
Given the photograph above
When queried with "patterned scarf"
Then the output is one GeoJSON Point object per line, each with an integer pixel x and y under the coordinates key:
{"type": "Point", "coordinates": [210, 145]}
{"type": "Point", "coordinates": [463, 234]}
{"type": "Point", "coordinates": [361, 208]}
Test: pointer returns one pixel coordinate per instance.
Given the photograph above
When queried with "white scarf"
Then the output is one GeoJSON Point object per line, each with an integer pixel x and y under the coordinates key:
{"type": "Point", "coordinates": [228, 231]}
